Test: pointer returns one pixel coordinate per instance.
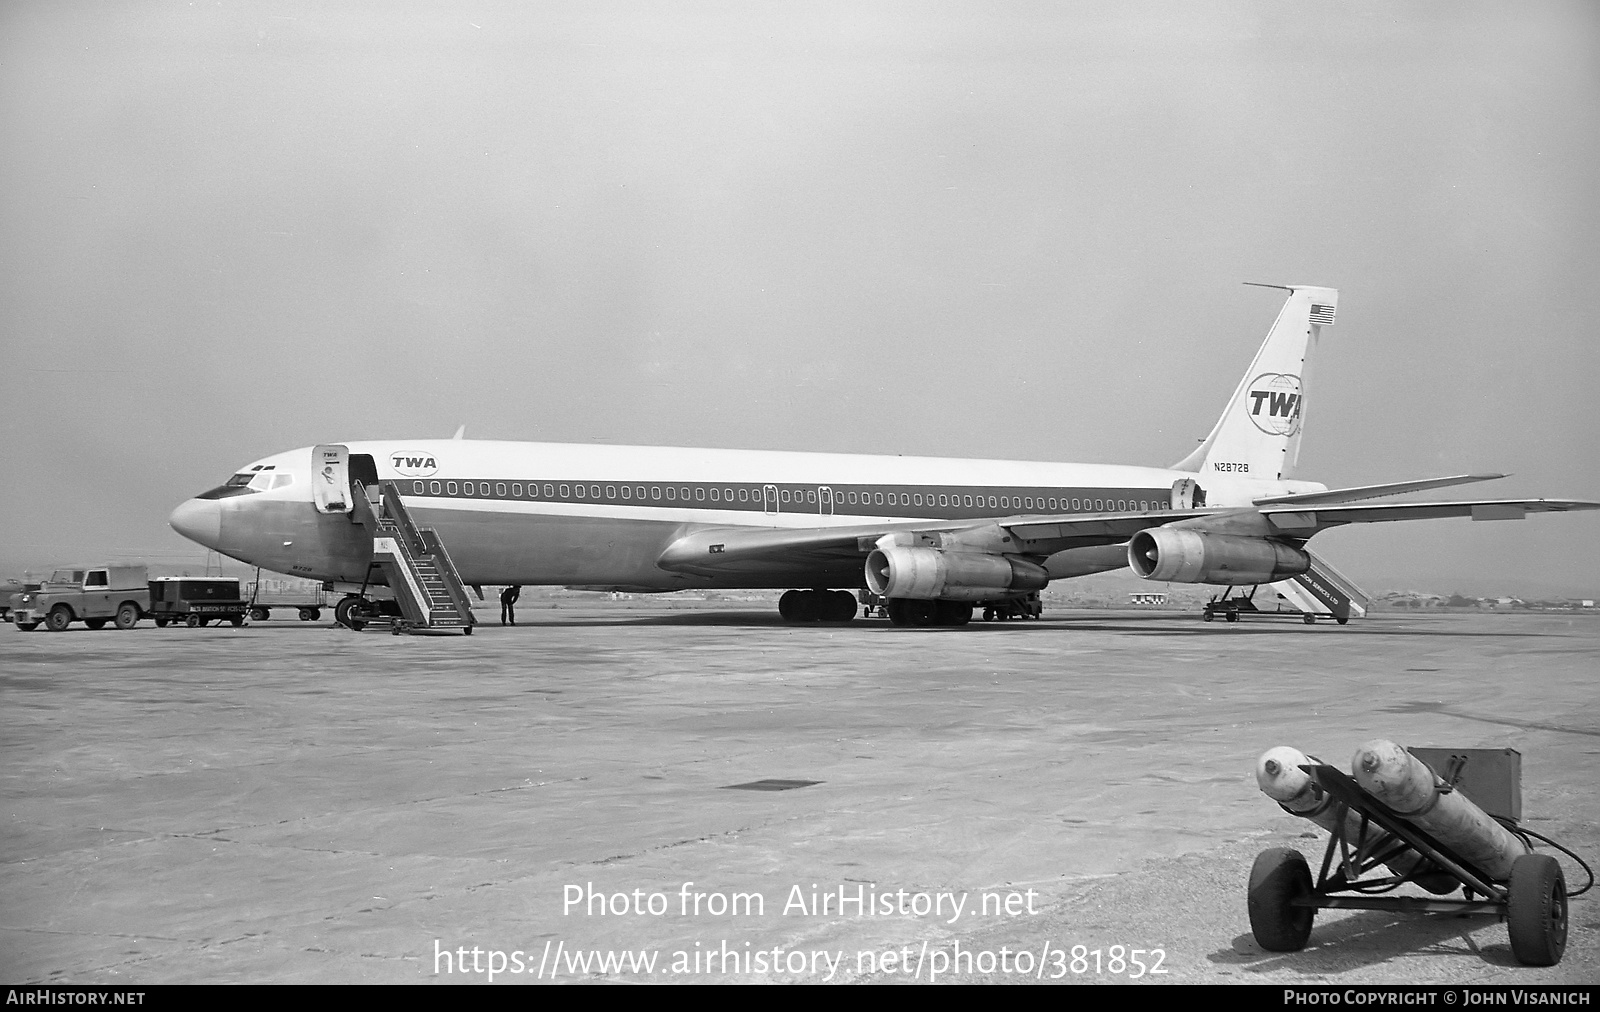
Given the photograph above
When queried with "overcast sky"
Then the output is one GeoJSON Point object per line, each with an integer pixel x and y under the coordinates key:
{"type": "Point", "coordinates": [963, 229]}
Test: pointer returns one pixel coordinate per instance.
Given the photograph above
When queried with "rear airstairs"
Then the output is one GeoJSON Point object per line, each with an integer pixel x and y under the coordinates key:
{"type": "Point", "coordinates": [414, 563]}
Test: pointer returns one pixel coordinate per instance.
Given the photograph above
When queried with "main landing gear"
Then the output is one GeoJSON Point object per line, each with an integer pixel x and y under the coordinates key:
{"type": "Point", "coordinates": [817, 606]}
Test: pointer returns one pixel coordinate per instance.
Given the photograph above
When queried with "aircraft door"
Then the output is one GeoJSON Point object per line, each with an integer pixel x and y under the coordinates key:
{"type": "Point", "coordinates": [1187, 494]}
{"type": "Point", "coordinates": [330, 478]}
{"type": "Point", "coordinates": [825, 500]}
{"type": "Point", "coordinates": [769, 498]}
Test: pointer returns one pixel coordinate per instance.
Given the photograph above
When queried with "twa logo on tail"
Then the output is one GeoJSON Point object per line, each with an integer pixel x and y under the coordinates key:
{"type": "Point", "coordinates": [413, 465]}
{"type": "Point", "coordinates": [1273, 403]}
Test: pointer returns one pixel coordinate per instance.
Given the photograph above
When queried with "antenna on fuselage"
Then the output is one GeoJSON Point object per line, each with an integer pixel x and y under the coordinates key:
{"type": "Point", "coordinates": [461, 433]}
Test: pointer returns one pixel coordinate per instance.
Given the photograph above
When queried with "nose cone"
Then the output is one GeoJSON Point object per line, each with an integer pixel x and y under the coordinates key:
{"type": "Point", "coordinates": [199, 520]}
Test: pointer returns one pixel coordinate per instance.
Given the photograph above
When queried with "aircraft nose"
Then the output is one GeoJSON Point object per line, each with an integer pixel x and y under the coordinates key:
{"type": "Point", "coordinates": [199, 520]}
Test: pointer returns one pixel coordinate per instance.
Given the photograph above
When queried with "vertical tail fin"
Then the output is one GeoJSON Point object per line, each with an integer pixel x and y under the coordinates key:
{"type": "Point", "coordinates": [1258, 434]}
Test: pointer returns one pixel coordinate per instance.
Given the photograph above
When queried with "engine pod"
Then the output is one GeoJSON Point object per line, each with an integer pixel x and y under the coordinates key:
{"type": "Point", "coordinates": [1176, 555]}
{"type": "Point", "coordinates": [932, 574]}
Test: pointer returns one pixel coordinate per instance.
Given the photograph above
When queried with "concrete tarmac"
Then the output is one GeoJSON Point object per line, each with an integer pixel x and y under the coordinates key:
{"type": "Point", "coordinates": [298, 803]}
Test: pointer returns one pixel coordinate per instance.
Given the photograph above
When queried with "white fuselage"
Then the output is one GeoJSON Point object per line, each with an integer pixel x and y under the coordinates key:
{"type": "Point", "coordinates": [597, 515]}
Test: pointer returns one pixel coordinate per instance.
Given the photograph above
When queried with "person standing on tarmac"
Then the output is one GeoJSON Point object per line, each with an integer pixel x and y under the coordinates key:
{"type": "Point", "coordinates": [508, 604]}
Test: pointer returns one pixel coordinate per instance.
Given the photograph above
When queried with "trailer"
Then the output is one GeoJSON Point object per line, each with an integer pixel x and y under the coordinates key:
{"type": "Point", "coordinates": [196, 601]}
{"type": "Point", "coordinates": [1236, 602]}
{"type": "Point", "coordinates": [306, 598]}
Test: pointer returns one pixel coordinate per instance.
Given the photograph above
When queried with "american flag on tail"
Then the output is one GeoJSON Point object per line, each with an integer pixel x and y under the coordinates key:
{"type": "Point", "coordinates": [1322, 315]}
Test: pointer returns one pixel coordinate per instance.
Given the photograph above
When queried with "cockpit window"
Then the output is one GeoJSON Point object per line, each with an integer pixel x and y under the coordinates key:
{"type": "Point", "coordinates": [239, 479]}
{"type": "Point", "coordinates": [283, 480]}
{"type": "Point", "coordinates": [261, 482]}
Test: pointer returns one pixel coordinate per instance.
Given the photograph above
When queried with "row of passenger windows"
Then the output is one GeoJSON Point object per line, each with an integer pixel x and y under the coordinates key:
{"type": "Point", "coordinates": [770, 496]}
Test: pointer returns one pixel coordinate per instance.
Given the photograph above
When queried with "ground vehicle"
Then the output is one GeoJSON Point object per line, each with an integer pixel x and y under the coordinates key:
{"type": "Point", "coordinates": [94, 595]}
{"type": "Point", "coordinates": [306, 598]}
{"type": "Point", "coordinates": [14, 599]}
{"type": "Point", "coordinates": [196, 600]}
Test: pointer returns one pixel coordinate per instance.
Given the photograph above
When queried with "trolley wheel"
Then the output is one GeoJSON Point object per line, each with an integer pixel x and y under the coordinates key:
{"type": "Point", "coordinates": [236, 621]}
{"type": "Point", "coordinates": [1278, 878]}
{"type": "Point", "coordinates": [467, 631]}
{"type": "Point", "coordinates": [316, 614]}
{"type": "Point", "coordinates": [1207, 617]}
{"type": "Point", "coordinates": [1311, 620]}
{"type": "Point", "coordinates": [194, 621]}
{"type": "Point", "coordinates": [1343, 619]}
{"type": "Point", "coordinates": [1536, 911]}
{"type": "Point", "coordinates": [1233, 616]}
{"type": "Point", "coordinates": [305, 614]}
{"type": "Point", "coordinates": [259, 614]}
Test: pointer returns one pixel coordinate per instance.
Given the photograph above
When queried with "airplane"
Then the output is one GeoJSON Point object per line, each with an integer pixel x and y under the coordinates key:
{"type": "Point", "coordinates": [933, 536]}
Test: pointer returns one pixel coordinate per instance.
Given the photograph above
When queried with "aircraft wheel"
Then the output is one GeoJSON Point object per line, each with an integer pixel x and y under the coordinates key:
{"type": "Point", "coordinates": [1278, 878]}
{"type": "Point", "coordinates": [789, 606]}
{"type": "Point", "coordinates": [27, 626]}
{"type": "Point", "coordinates": [343, 611]}
{"type": "Point", "coordinates": [838, 606]}
{"type": "Point", "coordinates": [316, 614]}
{"type": "Point", "coordinates": [161, 621]}
{"type": "Point", "coordinates": [1343, 619]}
{"type": "Point", "coordinates": [59, 618]}
{"type": "Point", "coordinates": [952, 613]}
{"type": "Point", "coordinates": [236, 621]}
{"type": "Point", "coordinates": [1536, 911]}
{"type": "Point", "coordinates": [194, 621]}
{"type": "Point", "coordinates": [95, 623]}
{"type": "Point", "coordinates": [259, 614]}
{"type": "Point", "coordinates": [127, 615]}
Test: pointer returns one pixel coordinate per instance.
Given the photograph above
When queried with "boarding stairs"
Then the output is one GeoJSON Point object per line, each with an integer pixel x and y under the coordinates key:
{"type": "Point", "coordinates": [413, 561]}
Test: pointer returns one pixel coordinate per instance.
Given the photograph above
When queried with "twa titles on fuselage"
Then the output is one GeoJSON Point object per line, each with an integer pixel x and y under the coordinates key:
{"type": "Point", "coordinates": [931, 535]}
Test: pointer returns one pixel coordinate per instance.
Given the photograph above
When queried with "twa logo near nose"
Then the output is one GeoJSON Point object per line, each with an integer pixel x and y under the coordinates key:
{"type": "Point", "coordinates": [413, 465]}
{"type": "Point", "coordinates": [1273, 403]}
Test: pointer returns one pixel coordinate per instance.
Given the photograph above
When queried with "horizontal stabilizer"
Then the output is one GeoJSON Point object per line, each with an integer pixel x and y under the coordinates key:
{"type": "Point", "coordinates": [1336, 495]}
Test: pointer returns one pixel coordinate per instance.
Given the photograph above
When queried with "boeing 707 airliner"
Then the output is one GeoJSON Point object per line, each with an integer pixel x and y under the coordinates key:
{"type": "Point", "coordinates": [930, 535]}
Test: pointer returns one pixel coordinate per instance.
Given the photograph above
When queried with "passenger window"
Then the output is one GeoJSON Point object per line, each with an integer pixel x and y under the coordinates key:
{"type": "Point", "coordinates": [434, 488]}
{"type": "Point", "coordinates": [727, 494]}
{"type": "Point", "coordinates": [450, 487]}
{"type": "Point", "coordinates": [627, 493]}
{"type": "Point", "coordinates": [672, 493]}
{"type": "Point", "coordinates": [811, 496]}
{"type": "Point", "coordinates": [655, 491]}
{"type": "Point", "coordinates": [516, 490]}
{"type": "Point", "coordinates": [500, 489]}
{"type": "Point", "coordinates": [611, 491]}
{"type": "Point", "coordinates": [700, 495]}
{"type": "Point", "coordinates": [565, 492]}
{"type": "Point", "coordinates": [1052, 502]}
{"type": "Point", "coordinates": [783, 495]}
{"type": "Point", "coordinates": [549, 493]}
{"type": "Point", "coordinates": [417, 487]}
{"type": "Point", "coordinates": [744, 495]}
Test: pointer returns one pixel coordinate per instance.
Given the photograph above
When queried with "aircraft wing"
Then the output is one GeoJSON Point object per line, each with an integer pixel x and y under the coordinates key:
{"type": "Point", "coordinates": [716, 551]}
{"type": "Point", "coordinates": [713, 551]}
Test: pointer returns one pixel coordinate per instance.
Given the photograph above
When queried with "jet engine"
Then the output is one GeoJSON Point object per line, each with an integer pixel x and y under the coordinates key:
{"type": "Point", "coordinates": [931, 574]}
{"type": "Point", "coordinates": [1176, 555]}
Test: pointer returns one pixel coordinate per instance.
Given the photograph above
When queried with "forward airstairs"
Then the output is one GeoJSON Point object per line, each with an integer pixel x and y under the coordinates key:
{"type": "Point", "coordinates": [413, 561]}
